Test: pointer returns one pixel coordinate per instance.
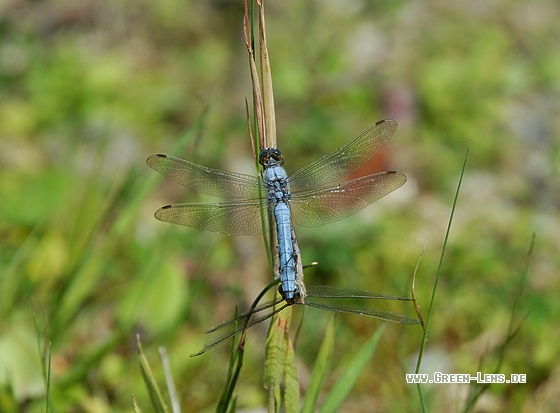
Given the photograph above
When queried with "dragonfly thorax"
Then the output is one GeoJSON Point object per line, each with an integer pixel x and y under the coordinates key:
{"type": "Point", "coordinates": [271, 157]}
{"type": "Point", "coordinates": [276, 182]}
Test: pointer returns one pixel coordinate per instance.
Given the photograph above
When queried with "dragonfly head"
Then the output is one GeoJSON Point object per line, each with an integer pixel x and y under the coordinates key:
{"type": "Point", "coordinates": [270, 157]}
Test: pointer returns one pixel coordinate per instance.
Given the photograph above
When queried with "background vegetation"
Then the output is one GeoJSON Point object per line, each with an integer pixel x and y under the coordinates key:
{"type": "Point", "coordinates": [89, 89]}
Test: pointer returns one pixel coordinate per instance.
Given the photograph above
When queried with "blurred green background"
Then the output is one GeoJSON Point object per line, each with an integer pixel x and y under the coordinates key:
{"type": "Point", "coordinates": [89, 89]}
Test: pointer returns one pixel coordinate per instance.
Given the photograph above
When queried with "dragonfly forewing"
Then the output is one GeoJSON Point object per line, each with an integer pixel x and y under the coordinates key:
{"type": "Point", "coordinates": [206, 180]}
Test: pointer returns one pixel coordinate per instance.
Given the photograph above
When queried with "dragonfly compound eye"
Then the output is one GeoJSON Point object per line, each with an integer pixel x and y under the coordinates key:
{"type": "Point", "coordinates": [271, 156]}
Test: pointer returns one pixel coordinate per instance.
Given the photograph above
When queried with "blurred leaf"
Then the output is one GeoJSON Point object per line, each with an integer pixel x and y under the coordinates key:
{"type": "Point", "coordinates": [320, 370]}
{"type": "Point", "coordinates": [91, 358]}
{"type": "Point", "coordinates": [31, 198]}
{"type": "Point", "coordinates": [276, 349]}
{"type": "Point", "coordinates": [156, 298]}
{"type": "Point", "coordinates": [344, 384]}
{"type": "Point", "coordinates": [291, 391]}
{"type": "Point", "coordinates": [7, 398]}
{"type": "Point", "coordinates": [81, 286]}
{"type": "Point", "coordinates": [277, 343]}
{"type": "Point", "coordinates": [20, 365]}
{"type": "Point", "coordinates": [50, 259]}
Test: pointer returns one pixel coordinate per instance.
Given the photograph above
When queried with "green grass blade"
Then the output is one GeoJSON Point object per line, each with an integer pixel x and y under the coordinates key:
{"type": "Point", "coordinates": [476, 390]}
{"type": "Point", "coordinates": [153, 390]}
{"type": "Point", "coordinates": [48, 407]}
{"type": "Point", "coordinates": [342, 387]}
{"type": "Point", "coordinates": [235, 364]}
{"type": "Point", "coordinates": [44, 347]}
{"type": "Point", "coordinates": [137, 408]}
{"type": "Point", "coordinates": [432, 300]}
{"type": "Point", "coordinates": [228, 399]}
{"type": "Point", "coordinates": [320, 370]}
{"type": "Point", "coordinates": [10, 281]}
{"type": "Point", "coordinates": [175, 405]}
{"type": "Point", "coordinates": [233, 405]}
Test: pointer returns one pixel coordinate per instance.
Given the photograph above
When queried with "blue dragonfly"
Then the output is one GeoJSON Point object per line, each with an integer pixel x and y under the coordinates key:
{"type": "Point", "coordinates": [313, 195]}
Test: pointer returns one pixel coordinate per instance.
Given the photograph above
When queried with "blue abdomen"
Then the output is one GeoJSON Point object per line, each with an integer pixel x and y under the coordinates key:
{"type": "Point", "coordinates": [285, 249]}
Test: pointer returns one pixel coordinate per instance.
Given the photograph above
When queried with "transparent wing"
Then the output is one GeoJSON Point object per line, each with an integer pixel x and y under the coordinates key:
{"type": "Point", "coordinates": [334, 167]}
{"type": "Point", "coordinates": [370, 312]}
{"type": "Point", "coordinates": [322, 291]}
{"type": "Point", "coordinates": [206, 180]}
{"type": "Point", "coordinates": [240, 218]}
{"type": "Point", "coordinates": [321, 206]}
{"type": "Point", "coordinates": [247, 314]}
{"type": "Point", "coordinates": [219, 340]}
{"type": "Point", "coordinates": [326, 291]}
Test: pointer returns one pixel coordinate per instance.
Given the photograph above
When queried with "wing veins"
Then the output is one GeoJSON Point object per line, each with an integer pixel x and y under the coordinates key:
{"type": "Point", "coordinates": [205, 180]}
{"type": "Point", "coordinates": [333, 167]}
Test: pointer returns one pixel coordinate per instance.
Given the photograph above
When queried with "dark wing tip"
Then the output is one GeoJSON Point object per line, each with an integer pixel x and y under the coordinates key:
{"type": "Point", "coordinates": [151, 160]}
{"type": "Point", "coordinates": [403, 176]}
{"type": "Point", "coordinates": [390, 121]}
{"type": "Point", "coordinates": [157, 214]}
{"type": "Point", "coordinates": [399, 176]}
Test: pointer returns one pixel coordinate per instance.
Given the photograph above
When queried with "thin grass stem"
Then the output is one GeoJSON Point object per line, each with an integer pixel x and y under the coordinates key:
{"type": "Point", "coordinates": [432, 300]}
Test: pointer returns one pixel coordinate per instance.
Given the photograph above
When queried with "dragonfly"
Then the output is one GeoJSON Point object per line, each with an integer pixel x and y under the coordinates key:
{"type": "Point", "coordinates": [313, 195]}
